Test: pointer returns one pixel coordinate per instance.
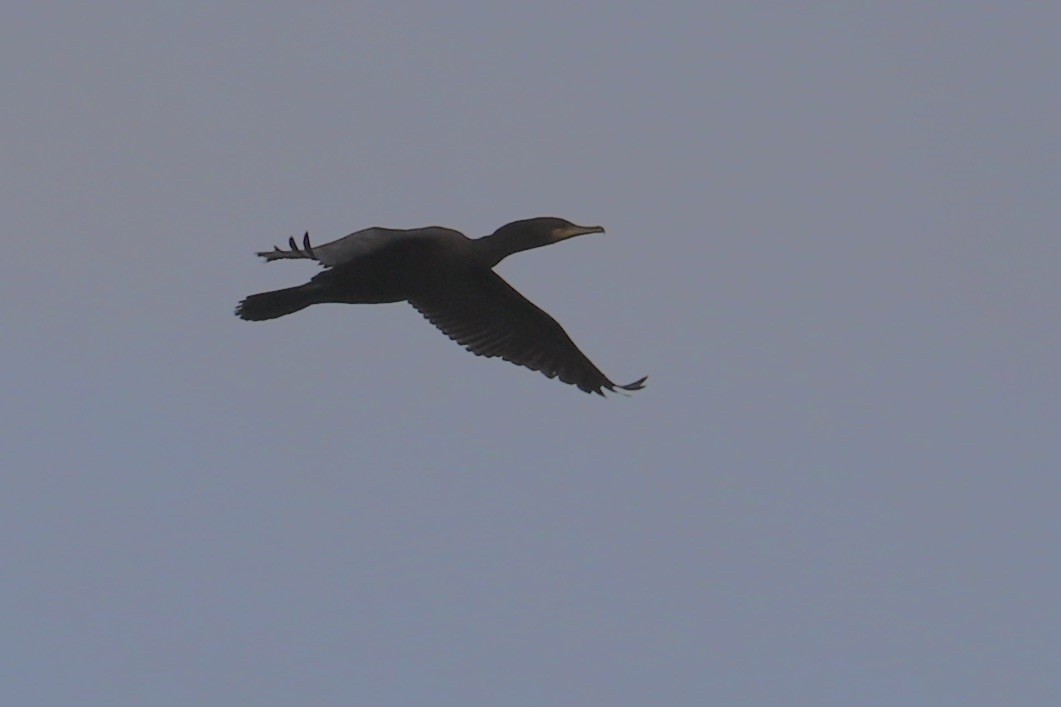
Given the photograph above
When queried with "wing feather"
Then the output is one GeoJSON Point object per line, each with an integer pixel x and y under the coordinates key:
{"type": "Point", "coordinates": [488, 317]}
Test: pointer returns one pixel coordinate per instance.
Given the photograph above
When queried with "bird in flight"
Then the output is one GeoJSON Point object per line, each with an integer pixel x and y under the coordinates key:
{"type": "Point", "coordinates": [450, 279]}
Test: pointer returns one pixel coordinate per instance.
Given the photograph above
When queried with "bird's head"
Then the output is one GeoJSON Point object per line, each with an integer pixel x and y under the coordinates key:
{"type": "Point", "coordinates": [547, 229]}
{"type": "Point", "coordinates": [530, 233]}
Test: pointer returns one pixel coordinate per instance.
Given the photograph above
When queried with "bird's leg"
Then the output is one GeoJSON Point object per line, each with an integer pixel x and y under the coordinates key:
{"type": "Point", "coordinates": [306, 251]}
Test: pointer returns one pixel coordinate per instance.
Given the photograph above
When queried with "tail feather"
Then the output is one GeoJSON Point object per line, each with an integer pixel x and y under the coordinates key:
{"type": "Point", "coordinates": [278, 303]}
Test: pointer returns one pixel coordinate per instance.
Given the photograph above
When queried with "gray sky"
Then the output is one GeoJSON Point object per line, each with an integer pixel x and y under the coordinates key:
{"type": "Point", "coordinates": [832, 243]}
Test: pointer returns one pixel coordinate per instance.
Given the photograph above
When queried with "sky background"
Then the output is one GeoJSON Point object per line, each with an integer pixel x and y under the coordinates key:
{"type": "Point", "coordinates": [832, 243]}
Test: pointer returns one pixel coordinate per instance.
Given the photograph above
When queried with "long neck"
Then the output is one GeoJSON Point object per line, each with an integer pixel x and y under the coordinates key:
{"type": "Point", "coordinates": [504, 242]}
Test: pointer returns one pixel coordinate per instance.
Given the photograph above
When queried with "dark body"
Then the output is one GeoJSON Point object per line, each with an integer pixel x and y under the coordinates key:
{"type": "Point", "coordinates": [448, 278]}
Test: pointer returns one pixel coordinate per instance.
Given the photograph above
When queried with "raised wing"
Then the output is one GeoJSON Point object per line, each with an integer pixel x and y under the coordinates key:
{"type": "Point", "coordinates": [490, 318]}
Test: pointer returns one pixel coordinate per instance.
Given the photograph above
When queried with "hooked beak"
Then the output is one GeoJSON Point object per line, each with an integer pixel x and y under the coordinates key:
{"type": "Point", "coordinates": [562, 233]}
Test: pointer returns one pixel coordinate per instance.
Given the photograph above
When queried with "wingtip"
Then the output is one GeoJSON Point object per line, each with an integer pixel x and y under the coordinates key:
{"type": "Point", "coordinates": [636, 385]}
{"type": "Point", "coordinates": [621, 389]}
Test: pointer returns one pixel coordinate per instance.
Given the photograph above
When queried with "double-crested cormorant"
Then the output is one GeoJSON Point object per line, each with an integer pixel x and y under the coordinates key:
{"type": "Point", "coordinates": [448, 278]}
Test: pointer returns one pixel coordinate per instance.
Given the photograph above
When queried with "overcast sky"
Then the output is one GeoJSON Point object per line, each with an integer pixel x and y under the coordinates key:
{"type": "Point", "coordinates": [832, 243]}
